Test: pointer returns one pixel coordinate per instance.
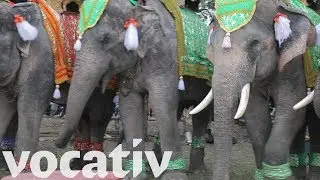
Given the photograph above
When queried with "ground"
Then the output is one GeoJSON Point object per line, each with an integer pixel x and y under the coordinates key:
{"type": "Point", "coordinates": [243, 165]}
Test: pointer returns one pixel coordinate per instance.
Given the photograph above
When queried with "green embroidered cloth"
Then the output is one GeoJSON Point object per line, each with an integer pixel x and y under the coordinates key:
{"type": "Point", "coordinates": [195, 62]}
{"type": "Point", "coordinates": [315, 20]}
{"type": "Point", "coordinates": [90, 13]}
{"type": "Point", "coordinates": [234, 14]}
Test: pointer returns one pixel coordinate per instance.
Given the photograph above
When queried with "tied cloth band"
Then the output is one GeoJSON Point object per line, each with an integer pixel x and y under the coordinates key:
{"type": "Point", "coordinates": [7, 143]}
{"type": "Point", "coordinates": [81, 145]}
{"type": "Point", "coordinates": [277, 172]}
{"type": "Point", "coordinates": [178, 164]}
{"type": "Point", "coordinates": [299, 160]}
{"type": "Point", "coordinates": [197, 142]}
{"type": "Point", "coordinates": [259, 175]}
{"type": "Point", "coordinates": [130, 167]}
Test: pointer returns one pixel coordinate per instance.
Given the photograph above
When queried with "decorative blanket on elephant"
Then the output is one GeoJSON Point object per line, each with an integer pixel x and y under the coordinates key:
{"type": "Point", "coordinates": [69, 24]}
{"type": "Point", "coordinates": [195, 62]}
{"type": "Point", "coordinates": [234, 14]}
{"type": "Point", "coordinates": [90, 13]}
{"type": "Point", "coordinates": [312, 55]}
{"type": "Point", "coordinates": [52, 26]}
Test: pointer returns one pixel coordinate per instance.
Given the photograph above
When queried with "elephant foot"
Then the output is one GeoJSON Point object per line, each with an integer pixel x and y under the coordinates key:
{"type": "Point", "coordinates": [139, 177]}
{"type": "Point", "coordinates": [300, 173]}
{"type": "Point", "coordinates": [197, 160]}
{"type": "Point", "coordinates": [172, 175]}
{"type": "Point", "coordinates": [314, 173]}
{"type": "Point", "coordinates": [209, 137]}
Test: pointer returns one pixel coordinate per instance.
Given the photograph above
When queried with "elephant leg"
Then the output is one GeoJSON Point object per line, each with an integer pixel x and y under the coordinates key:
{"type": "Point", "coordinates": [200, 122]}
{"type": "Point", "coordinates": [290, 88]}
{"type": "Point", "coordinates": [298, 155]}
{"type": "Point", "coordinates": [31, 107]}
{"type": "Point", "coordinates": [7, 143]}
{"type": "Point", "coordinates": [132, 115]}
{"type": "Point", "coordinates": [101, 108]}
{"type": "Point", "coordinates": [165, 111]}
{"type": "Point", "coordinates": [7, 112]}
{"type": "Point", "coordinates": [314, 126]}
{"type": "Point", "coordinates": [81, 142]}
{"type": "Point", "coordinates": [258, 122]}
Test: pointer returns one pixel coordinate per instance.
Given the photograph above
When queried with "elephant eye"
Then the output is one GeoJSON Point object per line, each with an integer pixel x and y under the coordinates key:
{"type": "Point", "coordinates": [105, 39]}
{"type": "Point", "coordinates": [255, 45]}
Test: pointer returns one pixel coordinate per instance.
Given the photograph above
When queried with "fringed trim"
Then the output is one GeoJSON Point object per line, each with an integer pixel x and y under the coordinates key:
{"type": "Point", "coordinates": [7, 143]}
{"type": "Point", "coordinates": [259, 175]}
{"type": "Point", "coordinates": [178, 164]}
{"type": "Point", "coordinates": [81, 145]}
{"type": "Point", "coordinates": [277, 172]}
{"type": "Point", "coordinates": [197, 142]}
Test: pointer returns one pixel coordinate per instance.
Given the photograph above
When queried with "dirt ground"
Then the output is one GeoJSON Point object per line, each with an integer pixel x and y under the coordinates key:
{"type": "Point", "coordinates": [243, 165]}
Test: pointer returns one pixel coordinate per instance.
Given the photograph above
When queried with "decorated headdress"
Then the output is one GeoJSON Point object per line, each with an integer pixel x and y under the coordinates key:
{"type": "Point", "coordinates": [233, 15]}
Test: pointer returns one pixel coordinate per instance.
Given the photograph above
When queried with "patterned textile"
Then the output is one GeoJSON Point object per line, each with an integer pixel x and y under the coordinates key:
{"type": "Point", "coordinates": [195, 62]}
{"type": "Point", "coordinates": [52, 26]}
{"type": "Point", "coordinates": [173, 8]}
{"type": "Point", "coordinates": [90, 13]}
{"type": "Point", "coordinates": [315, 20]}
{"type": "Point", "coordinates": [234, 14]}
{"type": "Point", "coordinates": [69, 24]}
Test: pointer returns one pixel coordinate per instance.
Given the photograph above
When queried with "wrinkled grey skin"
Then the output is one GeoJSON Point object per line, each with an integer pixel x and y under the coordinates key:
{"type": "Point", "coordinates": [94, 119]}
{"type": "Point", "coordinates": [253, 58]}
{"type": "Point", "coordinates": [26, 84]}
{"type": "Point", "coordinates": [196, 90]}
{"type": "Point", "coordinates": [152, 69]}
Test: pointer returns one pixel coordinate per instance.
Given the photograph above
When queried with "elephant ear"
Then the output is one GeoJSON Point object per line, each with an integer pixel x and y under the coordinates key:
{"type": "Point", "coordinates": [303, 35]}
{"type": "Point", "coordinates": [213, 25]}
{"type": "Point", "coordinates": [32, 14]}
{"type": "Point", "coordinates": [151, 23]}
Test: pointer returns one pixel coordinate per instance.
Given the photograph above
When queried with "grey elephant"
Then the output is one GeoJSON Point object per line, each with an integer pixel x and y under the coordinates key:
{"type": "Point", "coordinates": [27, 87]}
{"type": "Point", "coordinates": [151, 69]}
{"type": "Point", "coordinates": [251, 66]}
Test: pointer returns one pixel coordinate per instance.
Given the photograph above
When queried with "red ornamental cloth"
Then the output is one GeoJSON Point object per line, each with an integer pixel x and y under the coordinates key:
{"type": "Point", "coordinates": [69, 24]}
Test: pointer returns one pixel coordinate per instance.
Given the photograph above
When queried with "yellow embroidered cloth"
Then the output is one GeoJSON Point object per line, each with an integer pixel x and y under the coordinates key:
{"type": "Point", "coordinates": [52, 26]}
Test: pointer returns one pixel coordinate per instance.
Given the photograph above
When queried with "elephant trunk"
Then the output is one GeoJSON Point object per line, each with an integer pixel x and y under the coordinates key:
{"type": "Point", "coordinates": [85, 80]}
{"type": "Point", "coordinates": [226, 95]}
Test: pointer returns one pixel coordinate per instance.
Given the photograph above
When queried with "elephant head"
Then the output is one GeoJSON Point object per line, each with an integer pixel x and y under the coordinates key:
{"type": "Point", "coordinates": [9, 37]}
{"type": "Point", "coordinates": [14, 43]}
{"type": "Point", "coordinates": [254, 56]}
{"type": "Point", "coordinates": [103, 52]}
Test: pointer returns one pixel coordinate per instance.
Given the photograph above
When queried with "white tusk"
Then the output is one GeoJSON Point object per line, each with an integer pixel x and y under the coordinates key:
{"type": "Point", "coordinates": [244, 99]}
{"type": "Point", "coordinates": [308, 99]}
{"type": "Point", "coordinates": [205, 102]}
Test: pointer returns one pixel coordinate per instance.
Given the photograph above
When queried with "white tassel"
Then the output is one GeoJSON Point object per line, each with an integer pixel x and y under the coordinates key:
{"type": "Point", "coordinates": [282, 28]}
{"type": "Point", "coordinates": [226, 41]}
{"type": "Point", "coordinates": [57, 94]}
{"type": "Point", "coordinates": [26, 31]}
{"type": "Point", "coordinates": [131, 41]}
{"type": "Point", "coordinates": [318, 35]}
{"type": "Point", "coordinates": [78, 44]}
{"type": "Point", "coordinates": [181, 84]}
{"type": "Point", "coordinates": [210, 33]}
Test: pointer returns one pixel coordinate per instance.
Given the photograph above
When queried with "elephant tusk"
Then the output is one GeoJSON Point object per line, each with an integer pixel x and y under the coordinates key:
{"type": "Point", "coordinates": [205, 102]}
{"type": "Point", "coordinates": [244, 99]}
{"type": "Point", "coordinates": [308, 99]}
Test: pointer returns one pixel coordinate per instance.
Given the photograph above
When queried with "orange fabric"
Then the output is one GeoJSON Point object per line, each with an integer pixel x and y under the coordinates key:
{"type": "Point", "coordinates": [113, 83]}
{"type": "Point", "coordinates": [52, 26]}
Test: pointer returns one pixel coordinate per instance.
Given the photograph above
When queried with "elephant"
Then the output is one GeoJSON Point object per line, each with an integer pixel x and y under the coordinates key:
{"type": "Point", "coordinates": [150, 70]}
{"type": "Point", "coordinates": [27, 88]}
{"type": "Point", "coordinates": [256, 66]}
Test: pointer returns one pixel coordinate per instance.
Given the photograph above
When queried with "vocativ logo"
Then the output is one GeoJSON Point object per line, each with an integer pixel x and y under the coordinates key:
{"type": "Point", "coordinates": [91, 170]}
